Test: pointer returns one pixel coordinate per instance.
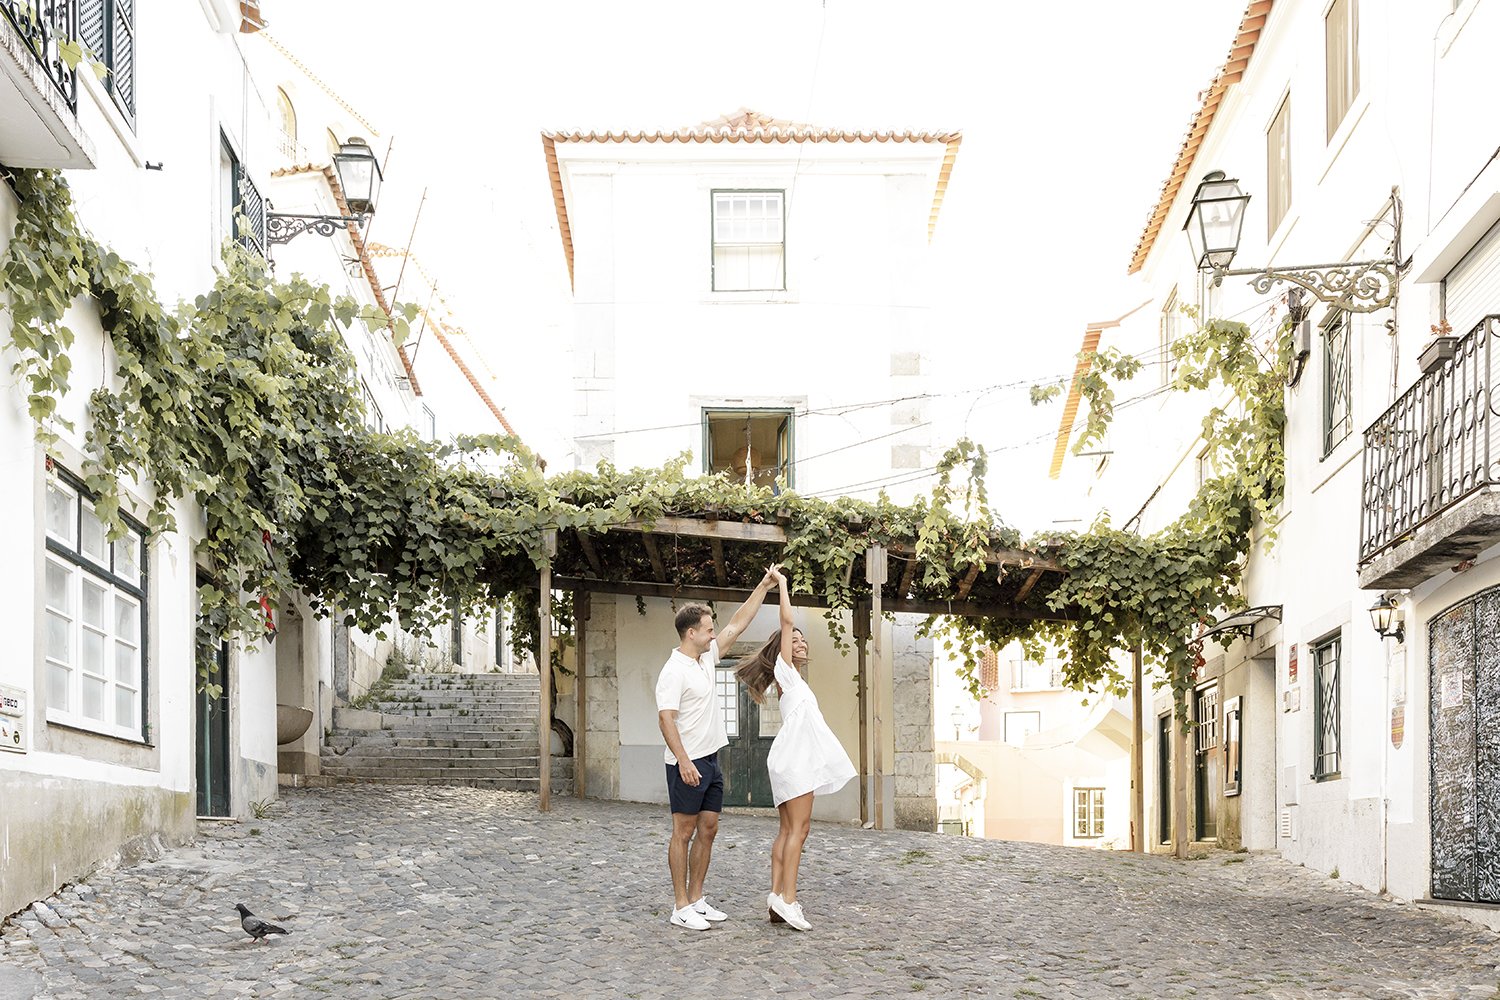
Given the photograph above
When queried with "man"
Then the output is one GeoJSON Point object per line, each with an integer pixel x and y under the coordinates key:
{"type": "Point", "coordinates": [692, 723]}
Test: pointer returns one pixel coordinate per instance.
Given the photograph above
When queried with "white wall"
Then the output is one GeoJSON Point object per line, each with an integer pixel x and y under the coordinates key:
{"type": "Point", "coordinates": [1433, 144]}
{"type": "Point", "coordinates": [653, 343]}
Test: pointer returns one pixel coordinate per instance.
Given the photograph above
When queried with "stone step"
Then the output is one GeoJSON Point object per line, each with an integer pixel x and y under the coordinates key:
{"type": "Point", "coordinates": [346, 741]}
{"type": "Point", "coordinates": [381, 750]}
{"type": "Point", "coordinates": [560, 785]}
{"type": "Point", "coordinates": [518, 683]}
{"type": "Point", "coordinates": [401, 769]}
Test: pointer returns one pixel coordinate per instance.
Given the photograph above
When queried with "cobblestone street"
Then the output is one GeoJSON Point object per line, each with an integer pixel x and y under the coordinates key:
{"type": "Point", "coordinates": [441, 892]}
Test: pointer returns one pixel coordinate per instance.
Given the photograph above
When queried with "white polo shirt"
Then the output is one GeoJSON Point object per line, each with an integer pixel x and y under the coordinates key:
{"type": "Point", "coordinates": [686, 686]}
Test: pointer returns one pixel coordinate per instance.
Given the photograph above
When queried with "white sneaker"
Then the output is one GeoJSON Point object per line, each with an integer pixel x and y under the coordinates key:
{"type": "Point", "coordinates": [790, 912]}
{"type": "Point", "coordinates": [708, 911]}
{"type": "Point", "coordinates": [689, 918]}
{"type": "Point", "coordinates": [772, 899]}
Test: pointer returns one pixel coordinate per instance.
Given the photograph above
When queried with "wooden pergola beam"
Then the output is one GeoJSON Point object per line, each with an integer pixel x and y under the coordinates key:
{"type": "Point", "coordinates": [591, 554]}
{"type": "Point", "coordinates": [967, 583]}
{"type": "Point", "coordinates": [998, 557]}
{"type": "Point", "coordinates": [908, 576]}
{"type": "Point", "coordinates": [721, 575]}
{"type": "Point", "coordinates": [734, 531]}
{"type": "Point", "coordinates": [967, 609]}
{"type": "Point", "coordinates": [1031, 581]}
{"type": "Point", "coordinates": [657, 566]}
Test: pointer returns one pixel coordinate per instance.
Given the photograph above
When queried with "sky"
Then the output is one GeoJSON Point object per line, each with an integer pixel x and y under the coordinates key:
{"type": "Point", "coordinates": [1072, 115]}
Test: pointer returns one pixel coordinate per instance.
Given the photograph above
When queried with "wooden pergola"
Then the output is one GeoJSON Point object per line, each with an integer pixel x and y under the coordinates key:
{"type": "Point", "coordinates": [702, 559]}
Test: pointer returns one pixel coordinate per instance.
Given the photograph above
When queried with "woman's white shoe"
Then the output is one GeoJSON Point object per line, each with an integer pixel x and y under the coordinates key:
{"type": "Point", "coordinates": [771, 913]}
{"type": "Point", "coordinates": [789, 912]}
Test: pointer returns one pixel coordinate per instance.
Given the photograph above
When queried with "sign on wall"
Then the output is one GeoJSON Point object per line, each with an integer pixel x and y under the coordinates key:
{"type": "Point", "coordinates": [12, 719]}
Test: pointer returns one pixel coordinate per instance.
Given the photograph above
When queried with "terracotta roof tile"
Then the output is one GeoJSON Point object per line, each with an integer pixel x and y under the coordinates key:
{"type": "Point", "coordinates": [1086, 350]}
{"type": "Point", "coordinates": [1240, 52]}
{"type": "Point", "coordinates": [744, 125]}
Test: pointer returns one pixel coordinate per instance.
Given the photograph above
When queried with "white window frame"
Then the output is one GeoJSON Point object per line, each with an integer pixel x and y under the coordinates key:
{"type": "Point", "coordinates": [1341, 78]}
{"type": "Point", "coordinates": [1088, 813]}
{"type": "Point", "coordinates": [760, 232]}
{"type": "Point", "coordinates": [1170, 330]}
{"type": "Point", "coordinates": [1021, 736]}
{"type": "Point", "coordinates": [726, 689]}
{"type": "Point", "coordinates": [105, 568]}
{"type": "Point", "coordinates": [1279, 166]}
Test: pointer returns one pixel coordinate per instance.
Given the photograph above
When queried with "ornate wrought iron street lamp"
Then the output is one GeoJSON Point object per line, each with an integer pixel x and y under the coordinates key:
{"type": "Point", "coordinates": [1388, 619]}
{"type": "Point", "coordinates": [1213, 228]}
{"type": "Point", "coordinates": [359, 177]}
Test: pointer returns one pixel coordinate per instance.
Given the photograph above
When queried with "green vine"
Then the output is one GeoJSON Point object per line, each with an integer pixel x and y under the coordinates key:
{"type": "Point", "coordinates": [242, 400]}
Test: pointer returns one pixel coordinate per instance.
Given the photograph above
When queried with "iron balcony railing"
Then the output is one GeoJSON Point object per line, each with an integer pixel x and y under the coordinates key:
{"type": "Point", "coordinates": [1432, 448]}
{"type": "Point", "coordinates": [44, 25]}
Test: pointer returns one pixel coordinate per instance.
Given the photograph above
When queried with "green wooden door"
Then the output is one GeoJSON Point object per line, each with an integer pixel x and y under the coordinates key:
{"type": "Point", "coordinates": [750, 731]}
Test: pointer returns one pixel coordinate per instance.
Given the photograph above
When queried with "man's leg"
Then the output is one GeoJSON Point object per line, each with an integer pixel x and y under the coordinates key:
{"type": "Point", "coordinates": [706, 828]}
{"type": "Point", "coordinates": [683, 825]}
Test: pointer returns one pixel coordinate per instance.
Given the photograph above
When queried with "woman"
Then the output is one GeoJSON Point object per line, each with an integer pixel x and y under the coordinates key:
{"type": "Point", "coordinates": [806, 759]}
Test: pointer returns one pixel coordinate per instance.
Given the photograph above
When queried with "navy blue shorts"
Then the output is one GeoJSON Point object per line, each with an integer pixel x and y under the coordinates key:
{"type": "Point", "coordinates": [707, 796]}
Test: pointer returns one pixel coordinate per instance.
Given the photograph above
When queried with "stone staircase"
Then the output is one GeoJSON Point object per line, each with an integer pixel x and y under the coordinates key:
{"type": "Point", "coordinates": [445, 729]}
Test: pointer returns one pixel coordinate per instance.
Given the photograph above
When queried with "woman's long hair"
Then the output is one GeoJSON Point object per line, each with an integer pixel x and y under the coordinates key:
{"type": "Point", "coordinates": [759, 672]}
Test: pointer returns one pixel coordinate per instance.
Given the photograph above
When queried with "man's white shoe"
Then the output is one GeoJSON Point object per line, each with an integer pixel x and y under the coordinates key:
{"type": "Point", "coordinates": [689, 918]}
{"type": "Point", "coordinates": [790, 912]}
{"type": "Point", "coordinates": [708, 911]}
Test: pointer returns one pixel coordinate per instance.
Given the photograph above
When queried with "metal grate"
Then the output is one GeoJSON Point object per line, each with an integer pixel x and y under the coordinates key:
{"type": "Point", "coordinates": [1326, 730]}
{"type": "Point", "coordinates": [1431, 449]}
{"type": "Point", "coordinates": [43, 25]}
{"type": "Point", "coordinates": [1206, 729]}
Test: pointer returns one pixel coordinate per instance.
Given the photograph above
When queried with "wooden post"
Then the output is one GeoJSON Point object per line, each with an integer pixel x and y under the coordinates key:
{"type": "Point", "coordinates": [1137, 752]}
{"type": "Point", "coordinates": [1180, 777]}
{"type": "Point", "coordinates": [544, 670]}
{"type": "Point", "coordinates": [861, 643]}
{"type": "Point", "coordinates": [875, 572]}
{"type": "Point", "coordinates": [580, 717]}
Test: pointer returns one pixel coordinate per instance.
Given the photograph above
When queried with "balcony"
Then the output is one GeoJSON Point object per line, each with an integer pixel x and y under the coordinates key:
{"type": "Point", "coordinates": [38, 91]}
{"type": "Point", "coordinates": [1430, 499]}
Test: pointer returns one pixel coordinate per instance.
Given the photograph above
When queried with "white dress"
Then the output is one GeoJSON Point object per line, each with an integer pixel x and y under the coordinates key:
{"type": "Point", "coordinates": [805, 756]}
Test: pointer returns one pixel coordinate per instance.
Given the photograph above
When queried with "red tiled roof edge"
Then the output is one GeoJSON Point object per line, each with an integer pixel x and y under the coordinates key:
{"type": "Point", "coordinates": [1233, 69]}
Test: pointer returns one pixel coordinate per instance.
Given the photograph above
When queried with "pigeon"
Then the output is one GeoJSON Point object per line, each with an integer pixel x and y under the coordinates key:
{"type": "Point", "coordinates": [256, 927]}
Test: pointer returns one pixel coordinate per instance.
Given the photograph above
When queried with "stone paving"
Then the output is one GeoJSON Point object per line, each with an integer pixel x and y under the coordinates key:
{"type": "Point", "coordinates": [461, 892]}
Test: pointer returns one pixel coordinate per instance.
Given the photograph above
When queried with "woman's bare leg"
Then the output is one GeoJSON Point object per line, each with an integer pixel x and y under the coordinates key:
{"type": "Point", "coordinates": [796, 822]}
{"type": "Point", "coordinates": [778, 852]}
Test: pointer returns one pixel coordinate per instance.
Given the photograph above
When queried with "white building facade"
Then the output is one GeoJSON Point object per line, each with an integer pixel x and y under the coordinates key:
{"type": "Point", "coordinates": [105, 744]}
{"type": "Point", "coordinates": [753, 292]}
{"type": "Point", "coordinates": [1361, 131]}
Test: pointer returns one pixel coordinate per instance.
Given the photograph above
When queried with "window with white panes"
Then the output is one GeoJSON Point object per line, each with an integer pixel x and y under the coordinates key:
{"type": "Point", "coordinates": [749, 241]}
{"type": "Point", "coordinates": [95, 609]}
{"type": "Point", "coordinates": [1088, 812]}
{"type": "Point", "coordinates": [770, 715]}
{"type": "Point", "coordinates": [1279, 167]}
{"type": "Point", "coordinates": [1341, 63]}
{"type": "Point", "coordinates": [1168, 331]}
{"type": "Point", "coordinates": [374, 420]}
{"type": "Point", "coordinates": [729, 701]}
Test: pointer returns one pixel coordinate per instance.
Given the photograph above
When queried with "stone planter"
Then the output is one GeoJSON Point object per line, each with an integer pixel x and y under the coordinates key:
{"type": "Point", "coordinates": [291, 723]}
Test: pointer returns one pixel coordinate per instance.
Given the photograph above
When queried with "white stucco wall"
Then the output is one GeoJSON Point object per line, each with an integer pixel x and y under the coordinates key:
{"type": "Point", "coordinates": [1415, 124]}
